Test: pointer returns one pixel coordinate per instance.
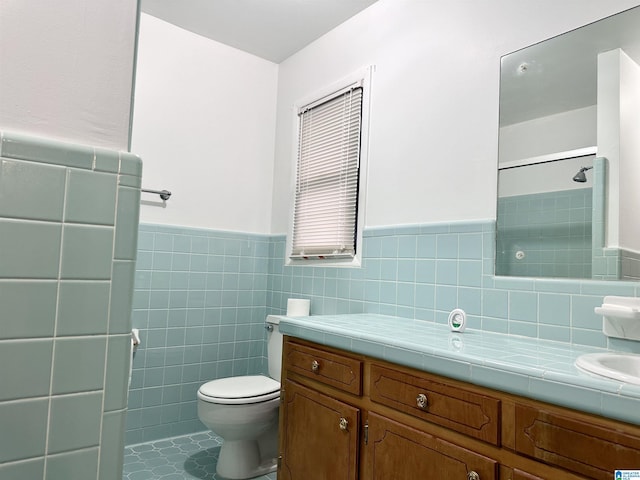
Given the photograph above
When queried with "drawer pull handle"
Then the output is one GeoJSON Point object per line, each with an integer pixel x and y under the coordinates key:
{"type": "Point", "coordinates": [421, 402]}
{"type": "Point", "coordinates": [315, 366]}
{"type": "Point", "coordinates": [344, 423]}
{"type": "Point", "coordinates": [473, 475]}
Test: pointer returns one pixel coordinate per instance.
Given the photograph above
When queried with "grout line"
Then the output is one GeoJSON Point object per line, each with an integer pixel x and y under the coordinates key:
{"type": "Point", "coordinates": [55, 323]}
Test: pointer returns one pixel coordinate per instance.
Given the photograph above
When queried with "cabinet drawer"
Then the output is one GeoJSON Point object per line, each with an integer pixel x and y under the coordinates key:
{"type": "Point", "coordinates": [396, 451]}
{"type": "Point", "coordinates": [339, 371]}
{"type": "Point", "coordinates": [461, 410]}
{"type": "Point", "coordinates": [574, 444]}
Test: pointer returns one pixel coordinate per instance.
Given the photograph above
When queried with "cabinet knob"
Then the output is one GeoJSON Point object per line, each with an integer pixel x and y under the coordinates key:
{"type": "Point", "coordinates": [421, 402]}
{"type": "Point", "coordinates": [344, 423]}
{"type": "Point", "coordinates": [315, 366]}
{"type": "Point", "coordinates": [473, 475]}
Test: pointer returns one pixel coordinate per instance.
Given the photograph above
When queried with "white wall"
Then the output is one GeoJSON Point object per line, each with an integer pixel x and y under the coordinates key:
{"type": "Point", "coordinates": [618, 141]}
{"type": "Point", "coordinates": [204, 125]}
{"type": "Point", "coordinates": [609, 138]}
{"type": "Point", "coordinates": [629, 154]}
{"type": "Point", "coordinates": [562, 132]}
{"type": "Point", "coordinates": [434, 130]}
{"type": "Point", "coordinates": [66, 69]}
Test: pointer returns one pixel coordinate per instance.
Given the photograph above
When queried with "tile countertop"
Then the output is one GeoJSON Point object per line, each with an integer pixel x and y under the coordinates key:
{"type": "Point", "coordinates": [539, 369]}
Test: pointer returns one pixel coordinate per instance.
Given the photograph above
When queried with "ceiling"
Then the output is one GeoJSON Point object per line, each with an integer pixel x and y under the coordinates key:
{"type": "Point", "coordinates": [547, 78]}
{"type": "Point", "coordinates": [271, 29]}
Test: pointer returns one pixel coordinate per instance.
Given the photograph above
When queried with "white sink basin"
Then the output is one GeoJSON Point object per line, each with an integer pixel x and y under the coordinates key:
{"type": "Point", "coordinates": [624, 367]}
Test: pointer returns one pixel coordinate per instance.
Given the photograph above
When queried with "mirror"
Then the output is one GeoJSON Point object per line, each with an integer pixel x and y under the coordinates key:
{"type": "Point", "coordinates": [569, 155]}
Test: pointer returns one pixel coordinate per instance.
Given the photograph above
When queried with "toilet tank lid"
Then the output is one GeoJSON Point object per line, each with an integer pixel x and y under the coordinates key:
{"type": "Point", "coordinates": [240, 387]}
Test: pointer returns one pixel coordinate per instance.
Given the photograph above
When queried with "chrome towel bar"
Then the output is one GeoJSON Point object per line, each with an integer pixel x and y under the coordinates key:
{"type": "Point", "coordinates": [164, 194]}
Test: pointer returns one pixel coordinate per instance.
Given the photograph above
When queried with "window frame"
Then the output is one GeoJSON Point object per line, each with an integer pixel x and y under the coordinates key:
{"type": "Point", "coordinates": [360, 78]}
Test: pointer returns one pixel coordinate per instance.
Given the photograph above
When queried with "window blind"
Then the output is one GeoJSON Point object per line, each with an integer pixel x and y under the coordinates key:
{"type": "Point", "coordinates": [326, 196]}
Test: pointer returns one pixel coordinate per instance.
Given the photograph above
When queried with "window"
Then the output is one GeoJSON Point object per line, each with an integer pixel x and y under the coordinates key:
{"type": "Point", "coordinates": [330, 145]}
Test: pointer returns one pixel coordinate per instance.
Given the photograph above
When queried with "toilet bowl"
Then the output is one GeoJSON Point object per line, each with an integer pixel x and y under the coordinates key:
{"type": "Point", "coordinates": [243, 411]}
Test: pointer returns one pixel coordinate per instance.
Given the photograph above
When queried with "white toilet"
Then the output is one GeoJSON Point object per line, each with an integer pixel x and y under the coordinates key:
{"type": "Point", "coordinates": [244, 412]}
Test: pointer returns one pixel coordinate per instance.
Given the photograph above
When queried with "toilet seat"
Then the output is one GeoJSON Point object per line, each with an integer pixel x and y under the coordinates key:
{"type": "Point", "coordinates": [240, 390]}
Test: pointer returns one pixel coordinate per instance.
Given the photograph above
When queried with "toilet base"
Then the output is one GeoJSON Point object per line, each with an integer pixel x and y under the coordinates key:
{"type": "Point", "coordinates": [240, 459]}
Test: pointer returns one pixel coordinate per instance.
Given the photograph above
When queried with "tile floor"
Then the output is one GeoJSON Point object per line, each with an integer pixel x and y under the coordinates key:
{"type": "Point", "coordinates": [179, 458]}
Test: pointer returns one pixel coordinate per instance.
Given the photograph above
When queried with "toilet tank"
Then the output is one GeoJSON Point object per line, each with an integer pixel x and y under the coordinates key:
{"type": "Point", "coordinates": [274, 346]}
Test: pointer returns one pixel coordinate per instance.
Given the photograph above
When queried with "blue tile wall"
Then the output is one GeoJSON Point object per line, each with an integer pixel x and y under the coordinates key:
{"type": "Point", "coordinates": [629, 265]}
{"type": "Point", "coordinates": [200, 302]}
{"type": "Point", "coordinates": [605, 261]}
{"type": "Point", "coordinates": [425, 271]}
{"type": "Point", "coordinates": [552, 229]}
{"type": "Point", "coordinates": [411, 271]}
{"type": "Point", "coordinates": [201, 297]}
{"type": "Point", "coordinates": [64, 352]}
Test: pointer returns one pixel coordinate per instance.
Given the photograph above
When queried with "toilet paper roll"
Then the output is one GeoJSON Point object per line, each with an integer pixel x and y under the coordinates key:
{"type": "Point", "coordinates": [298, 307]}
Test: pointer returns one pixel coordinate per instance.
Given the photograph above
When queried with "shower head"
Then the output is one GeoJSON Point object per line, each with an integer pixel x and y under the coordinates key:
{"type": "Point", "coordinates": [580, 176]}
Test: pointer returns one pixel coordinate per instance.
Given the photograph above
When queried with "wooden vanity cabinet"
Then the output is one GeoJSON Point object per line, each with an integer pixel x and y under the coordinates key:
{"type": "Point", "coordinates": [320, 434]}
{"type": "Point", "coordinates": [345, 416]}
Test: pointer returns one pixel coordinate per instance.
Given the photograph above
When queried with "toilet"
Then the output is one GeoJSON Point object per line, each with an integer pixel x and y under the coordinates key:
{"type": "Point", "coordinates": [243, 411]}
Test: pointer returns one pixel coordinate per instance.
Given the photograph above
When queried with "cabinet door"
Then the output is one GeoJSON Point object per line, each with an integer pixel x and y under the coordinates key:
{"type": "Point", "coordinates": [319, 438]}
{"type": "Point", "coordinates": [588, 449]}
{"type": "Point", "coordinates": [397, 452]}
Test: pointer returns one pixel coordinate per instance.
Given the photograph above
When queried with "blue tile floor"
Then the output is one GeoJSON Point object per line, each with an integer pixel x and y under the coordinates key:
{"type": "Point", "coordinates": [188, 457]}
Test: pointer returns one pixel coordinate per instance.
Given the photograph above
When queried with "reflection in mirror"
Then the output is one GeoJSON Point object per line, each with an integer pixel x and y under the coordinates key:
{"type": "Point", "coordinates": [570, 102]}
{"type": "Point", "coordinates": [544, 218]}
